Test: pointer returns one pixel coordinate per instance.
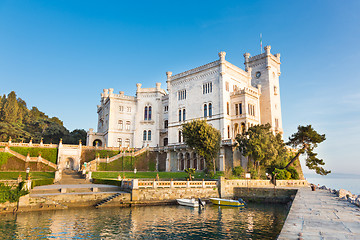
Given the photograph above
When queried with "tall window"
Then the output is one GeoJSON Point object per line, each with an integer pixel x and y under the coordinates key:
{"type": "Point", "coordinates": [127, 142]}
{"type": "Point", "coordinates": [251, 110]}
{"type": "Point", "coordinates": [227, 108]}
{"type": "Point", "coordinates": [227, 86]}
{"type": "Point", "coordinates": [127, 126]}
{"type": "Point", "coordinates": [166, 124]}
{"type": "Point", "coordinates": [120, 142]}
{"type": "Point", "coordinates": [166, 141]}
{"type": "Point", "coordinates": [144, 135]}
{"type": "Point", "coordinates": [182, 94]}
{"type": "Point", "coordinates": [207, 87]}
{"type": "Point", "coordinates": [210, 110]}
{"type": "Point", "coordinates": [121, 108]}
{"type": "Point", "coordinates": [180, 115]}
{"type": "Point", "coordinates": [149, 135]}
{"type": "Point", "coordinates": [184, 115]}
{"type": "Point", "coordinates": [179, 136]}
{"type": "Point", "coordinates": [205, 110]}
{"type": "Point", "coordinates": [228, 128]}
{"type": "Point", "coordinates": [240, 108]}
{"type": "Point", "coordinates": [128, 109]}
{"type": "Point", "coordinates": [120, 122]}
{"type": "Point", "coordinates": [145, 113]}
{"type": "Point", "coordinates": [236, 109]}
{"type": "Point", "coordinates": [149, 113]}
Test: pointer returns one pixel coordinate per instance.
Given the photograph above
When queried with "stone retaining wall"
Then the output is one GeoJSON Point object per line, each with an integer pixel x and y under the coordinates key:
{"type": "Point", "coordinates": [278, 195]}
{"type": "Point", "coordinates": [172, 193]}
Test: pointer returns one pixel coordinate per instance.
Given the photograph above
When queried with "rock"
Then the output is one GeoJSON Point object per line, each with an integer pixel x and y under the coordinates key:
{"type": "Point", "coordinates": [357, 201]}
{"type": "Point", "coordinates": [351, 200]}
{"type": "Point", "coordinates": [344, 193]}
{"type": "Point", "coordinates": [334, 191]}
{"type": "Point", "coordinates": [323, 187]}
{"type": "Point", "coordinates": [343, 198]}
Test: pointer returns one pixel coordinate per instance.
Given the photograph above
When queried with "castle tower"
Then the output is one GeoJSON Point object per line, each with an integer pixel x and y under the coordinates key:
{"type": "Point", "coordinates": [266, 72]}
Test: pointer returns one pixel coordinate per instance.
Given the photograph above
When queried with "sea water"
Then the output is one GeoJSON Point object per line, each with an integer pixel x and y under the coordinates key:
{"type": "Point", "coordinates": [256, 221]}
{"type": "Point", "coordinates": [350, 182]}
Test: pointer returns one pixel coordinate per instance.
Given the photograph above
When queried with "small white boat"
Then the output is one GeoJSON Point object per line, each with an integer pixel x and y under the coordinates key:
{"type": "Point", "coordinates": [190, 202]}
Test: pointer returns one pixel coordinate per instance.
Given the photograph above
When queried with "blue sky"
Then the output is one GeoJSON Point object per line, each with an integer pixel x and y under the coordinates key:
{"type": "Point", "coordinates": [59, 55]}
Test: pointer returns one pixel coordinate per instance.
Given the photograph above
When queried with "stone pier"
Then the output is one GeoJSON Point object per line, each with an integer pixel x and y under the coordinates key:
{"type": "Point", "coordinates": [321, 215]}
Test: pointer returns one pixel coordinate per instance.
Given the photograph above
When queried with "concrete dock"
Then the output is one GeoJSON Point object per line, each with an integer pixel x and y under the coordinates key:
{"type": "Point", "coordinates": [321, 215]}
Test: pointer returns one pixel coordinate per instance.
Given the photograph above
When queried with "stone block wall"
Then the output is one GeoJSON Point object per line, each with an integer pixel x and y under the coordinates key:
{"type": "Point", "coordinates": [159, 194]}
{"type": "Point", "coordinates": [273, 195]}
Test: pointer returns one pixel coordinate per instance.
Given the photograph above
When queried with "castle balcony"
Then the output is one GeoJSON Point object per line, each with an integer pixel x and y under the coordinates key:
{"type": "Point", "coordinates": [246, 90]}
{"type": "Point", "coordinates": [164, 130]}
{"type": "Point", "coordinates": [243, 117]}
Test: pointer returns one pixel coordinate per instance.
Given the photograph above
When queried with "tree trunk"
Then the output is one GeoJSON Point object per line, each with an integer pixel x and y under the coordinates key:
{"type": "Point", "coordinates": [214, 166]}
{"type": "Point", "coordinates": [294, 158]}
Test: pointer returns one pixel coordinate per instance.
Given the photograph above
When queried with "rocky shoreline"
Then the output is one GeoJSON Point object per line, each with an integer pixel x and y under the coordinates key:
{"type": "Point", "coordinates": [344, 195]}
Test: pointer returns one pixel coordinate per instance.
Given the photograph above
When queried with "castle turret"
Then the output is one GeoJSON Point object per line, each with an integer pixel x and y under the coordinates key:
{"type": "Point", "coordinates": [265, 71]}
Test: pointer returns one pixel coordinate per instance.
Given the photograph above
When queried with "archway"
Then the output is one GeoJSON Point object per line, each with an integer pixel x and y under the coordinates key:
{"type": "Point", "coordinates": [97, 142]}
{"type": "Point", "coordinates": [195, 163]}
{"type": "Point", "coordinates": [69, 164]}
{"type": "Point", "coordinates": [187, 157]}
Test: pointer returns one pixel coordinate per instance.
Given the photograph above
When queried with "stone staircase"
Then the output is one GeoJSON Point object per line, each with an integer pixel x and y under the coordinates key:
{"type": "Point", "coordinates": [72, 177]}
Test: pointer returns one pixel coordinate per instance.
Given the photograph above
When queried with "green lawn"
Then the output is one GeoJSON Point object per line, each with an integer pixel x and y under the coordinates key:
{"type": "Point", "coordinates": [152, 175]}
{"type": "Point", "coordinates": [33, 175]}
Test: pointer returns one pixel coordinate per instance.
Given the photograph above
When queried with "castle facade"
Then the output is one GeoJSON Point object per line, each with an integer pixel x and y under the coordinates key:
{"type": "Point", "coordinates": [229, 98]}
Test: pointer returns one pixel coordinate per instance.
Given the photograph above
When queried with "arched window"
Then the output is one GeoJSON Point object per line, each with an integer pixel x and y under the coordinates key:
{"type": "Point", "coordinates": [184, 115]}
{"type": "Point", "coordinates": [120, 142]}
{"type": "Point", "coordinates": [166, 124]}
{"type": "Point", "coordinates": [166, 141]}
{"type": "Point", "coordinates": [127, 125]}
{"type": "Point", "coordinates": [210, 110]}
{"type": "Point", "coordinates": [144, 136]}
{"type": "Point", "coordinates": [145, 113]}
{"type": "Point", "coordinates": [205, 110]}
{"type": "Point", "coordinates": [149, 113]}
{"type": "Point", "coordinates": [227, 109]}
{"type": "Point", "coordinates": [179, 136]}
{"type": "Point", "coordinates": [149, 135]}
{"type": "Point", "coordinates": [127, 142]}
{"type": "Point", "coordinates": [120, 124]}
{"type": "Point", "coordinates": [180, 115]}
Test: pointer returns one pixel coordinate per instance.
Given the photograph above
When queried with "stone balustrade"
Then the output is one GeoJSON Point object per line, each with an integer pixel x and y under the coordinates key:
{"type": "Point", "coordinates": [140, 184]}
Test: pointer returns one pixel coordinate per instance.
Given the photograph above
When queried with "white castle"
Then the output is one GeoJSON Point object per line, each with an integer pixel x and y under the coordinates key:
{"type": "Point", "coordinates": [229, 98]}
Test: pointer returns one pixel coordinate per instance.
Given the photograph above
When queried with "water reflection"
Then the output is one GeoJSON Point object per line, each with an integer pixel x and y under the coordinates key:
{"type": "Point", "coordinates": [257, 221]}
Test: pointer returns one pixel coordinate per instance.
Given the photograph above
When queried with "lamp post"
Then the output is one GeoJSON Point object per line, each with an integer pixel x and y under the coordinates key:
{"type": "Point", "coordinates": [27, 173]}
{"type": "Point", "coordinates": [135, 170]}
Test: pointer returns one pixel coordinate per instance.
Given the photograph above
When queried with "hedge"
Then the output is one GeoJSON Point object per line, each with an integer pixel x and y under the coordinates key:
{"type": "Point", "coordinates": [4, 157]}
{"type": "Point", "coordinates": [107, 181]}
{"type": "Point", "coordinates": [49, 154]}
{"type": "Point", "coordinates": [41, 182]}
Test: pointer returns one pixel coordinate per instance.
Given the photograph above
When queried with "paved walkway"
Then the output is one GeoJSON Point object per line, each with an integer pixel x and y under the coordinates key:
{"type": "Point", "coordinates": [321, 215]}
{"type": "Point", "coordinates": [58, 186]}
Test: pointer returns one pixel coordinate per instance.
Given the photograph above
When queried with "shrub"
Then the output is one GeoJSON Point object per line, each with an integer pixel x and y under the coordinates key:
{"type": "Point", "coordinates": [282, 174]}
{"type": "Point", "coordinates": [254, 174]}
{"type": "Point", "coordinates": [10, 193]}
{"type": "Point", "coordinates": [294, 173]}
{"type": "Point", "coordinates": [238, 171]}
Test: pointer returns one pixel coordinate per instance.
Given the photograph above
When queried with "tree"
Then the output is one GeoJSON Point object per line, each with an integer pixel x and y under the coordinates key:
{"type": "Point", "coordinates": [262, 146]}
{"type": "Point", "coordinates": [306, 139]}
{"type": "Point", "coordinates": [9, 111]}
{"type": "Point", "coordinates": [205, 139]}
